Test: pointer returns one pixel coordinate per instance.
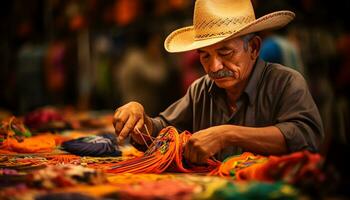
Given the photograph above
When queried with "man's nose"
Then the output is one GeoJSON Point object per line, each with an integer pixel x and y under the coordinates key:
{"type": "Point", "coordinates": [215, 64]}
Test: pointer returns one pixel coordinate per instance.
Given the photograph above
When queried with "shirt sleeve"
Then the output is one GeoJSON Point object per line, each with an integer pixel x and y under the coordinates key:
{"type": "Point", "coordinates": [298, 117]}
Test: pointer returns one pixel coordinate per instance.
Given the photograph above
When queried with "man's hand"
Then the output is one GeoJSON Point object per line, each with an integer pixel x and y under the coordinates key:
{"type": "Point", "coordinates": [129, 117]}
{"type": "Point", "coordinates": [204, 144]}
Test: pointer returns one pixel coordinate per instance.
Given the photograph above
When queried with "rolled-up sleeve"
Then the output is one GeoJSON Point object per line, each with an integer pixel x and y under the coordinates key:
{"type": "Point", "coordinates": [297, 116]}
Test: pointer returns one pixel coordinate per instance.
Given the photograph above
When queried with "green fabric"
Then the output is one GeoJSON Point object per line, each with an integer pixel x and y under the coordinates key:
{"type": "Point", "coordinates": [256, 190]}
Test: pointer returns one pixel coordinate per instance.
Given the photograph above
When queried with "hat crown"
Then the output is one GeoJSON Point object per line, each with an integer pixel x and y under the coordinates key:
{"type": "Point", "coordinates": [217, 18]}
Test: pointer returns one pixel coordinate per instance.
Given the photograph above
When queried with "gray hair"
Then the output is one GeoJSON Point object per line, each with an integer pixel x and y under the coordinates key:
{"type": "Point", "coordinates": [246, 39]}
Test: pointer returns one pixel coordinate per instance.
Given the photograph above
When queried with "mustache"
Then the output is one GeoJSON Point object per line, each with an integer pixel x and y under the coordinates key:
{"type": "Point", "coordinates": [221, 74]}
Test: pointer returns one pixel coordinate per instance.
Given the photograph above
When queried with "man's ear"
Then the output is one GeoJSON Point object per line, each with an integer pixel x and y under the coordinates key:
{"type": "Point", "coordinates": [254, 47]}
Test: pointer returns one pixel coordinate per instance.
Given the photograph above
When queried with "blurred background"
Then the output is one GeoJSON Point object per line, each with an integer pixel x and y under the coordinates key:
{"type": "Point", "coordinates": [97, 55]}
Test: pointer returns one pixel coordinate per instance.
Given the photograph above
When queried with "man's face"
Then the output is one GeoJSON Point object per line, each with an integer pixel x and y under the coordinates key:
{"type": "Point", "coordinates": [228, 63]}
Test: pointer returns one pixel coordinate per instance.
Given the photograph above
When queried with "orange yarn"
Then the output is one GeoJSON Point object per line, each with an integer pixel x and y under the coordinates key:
{"type": "Point", "coordinates": [165, 153]}
{"type": "Point", "coordinates": [235, 163]}
{"type": "Point", "coordinates": [36, 144]}
{"type": "Point", "coordinates": [62, 159]}
{"type": "Point", "coordinates": [4, 151]}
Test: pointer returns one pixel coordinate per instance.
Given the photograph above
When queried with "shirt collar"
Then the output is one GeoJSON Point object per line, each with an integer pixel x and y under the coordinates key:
{"type": "Point", "coordinates": [253, 82]}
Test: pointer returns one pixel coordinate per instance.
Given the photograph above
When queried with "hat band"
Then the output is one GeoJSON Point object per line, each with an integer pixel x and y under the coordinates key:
{"type": "Point", "coordinates": [227, 26]}
{"type": "Point", "coordinates": [212, 35]}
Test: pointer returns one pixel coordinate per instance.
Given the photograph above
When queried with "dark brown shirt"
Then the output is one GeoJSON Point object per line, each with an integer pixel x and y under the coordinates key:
{"type": "Point", "coordinates": [275, 95]}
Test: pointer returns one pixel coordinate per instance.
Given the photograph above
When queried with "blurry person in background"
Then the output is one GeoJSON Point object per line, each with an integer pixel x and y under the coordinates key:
{"type": "Point", "coordinates": [277, 45]}
{"type": "Point", "coordinates": [243, 103]}
{"type": "Point", "coordinates": [142, 72]}
{"type": "Point", "coordinates": [277, 48]}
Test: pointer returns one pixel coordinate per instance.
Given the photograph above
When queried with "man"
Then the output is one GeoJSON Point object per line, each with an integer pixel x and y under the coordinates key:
{"type": "Point", "coordinates": [243, 103]}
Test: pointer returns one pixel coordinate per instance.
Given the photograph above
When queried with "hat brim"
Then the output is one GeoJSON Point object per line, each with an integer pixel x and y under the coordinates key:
{"type": "Point", "coordinates": [183, 39]}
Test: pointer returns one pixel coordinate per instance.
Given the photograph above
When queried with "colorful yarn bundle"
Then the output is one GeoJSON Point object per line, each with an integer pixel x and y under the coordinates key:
{"type": "Point", "coordinates": [45, 143]}
{"type": "Point", "coordinates": [290, 168]}
{"type": "Point", "coordinates": [96, 145]}
{"type": "Point", "coordinates": [231, 165]}
{"type": "Point", "coordinates": [165, 153]}
{"type": "Point", "coordinates": [15, 137]}
{"type": "Point", "coordinates": [12, 128]}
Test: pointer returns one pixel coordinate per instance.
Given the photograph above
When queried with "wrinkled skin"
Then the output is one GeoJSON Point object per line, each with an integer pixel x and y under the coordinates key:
{"type": "Point", "coordinates": [128, 119]}
{"type": "Point", "coordinates": [204, 144]}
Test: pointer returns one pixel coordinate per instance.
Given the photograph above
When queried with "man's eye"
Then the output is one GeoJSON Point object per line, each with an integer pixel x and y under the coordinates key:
{"type": "Point", "coordinates": [204, 55]}
{"type": "Point", "coordinates": [225, 53]}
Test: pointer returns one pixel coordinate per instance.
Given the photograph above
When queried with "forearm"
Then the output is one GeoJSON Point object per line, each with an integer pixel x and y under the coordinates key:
{"type": "Point", "coordinates": [262, 140]}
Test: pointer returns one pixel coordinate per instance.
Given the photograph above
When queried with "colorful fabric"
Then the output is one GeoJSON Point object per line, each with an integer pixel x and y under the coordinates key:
{"type": "Point", "coordinates": [64, 196]}
{"type": "Point", "coordinates": [255, 190]}
{"type": "Point", "coordinates": [22, 162]}
{"type": "Point", "coordinates": [162, 189]}
{"type": "Point", "coordinates": [97, 145]}
{"type": "Point", "coordinates": [60, 176]}
{"type": "Point", "coordinates": [290, 168]}
{"type": "Point", "coordinates": [62, 159]}
{"type": "Point", "coordinates": [97, 191]}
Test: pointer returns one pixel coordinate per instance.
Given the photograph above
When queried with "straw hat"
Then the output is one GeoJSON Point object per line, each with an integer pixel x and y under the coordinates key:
{"type": "Point", "coordinates": [217, 20]}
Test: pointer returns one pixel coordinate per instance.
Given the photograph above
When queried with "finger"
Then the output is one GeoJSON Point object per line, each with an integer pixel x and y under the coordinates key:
{"type": "Point", "coordinates": [135, 133]}
{"type": "Point", "coordinates": [190, 153]}
{"type": "Point", "coordinates": [120, 120]}
{"type": "Point", "coordinates": [139, 124]}
{"type": "Point", "coordinates": [128, 126]}
{"type": "Point", "coordinates": [202, 158]}
{"type": "Point", "coordinates": [195, 155]}
{"type": "Point", "coordinates": [115, 116]}
{"type": "Point", "coordinates": [186, 151]}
